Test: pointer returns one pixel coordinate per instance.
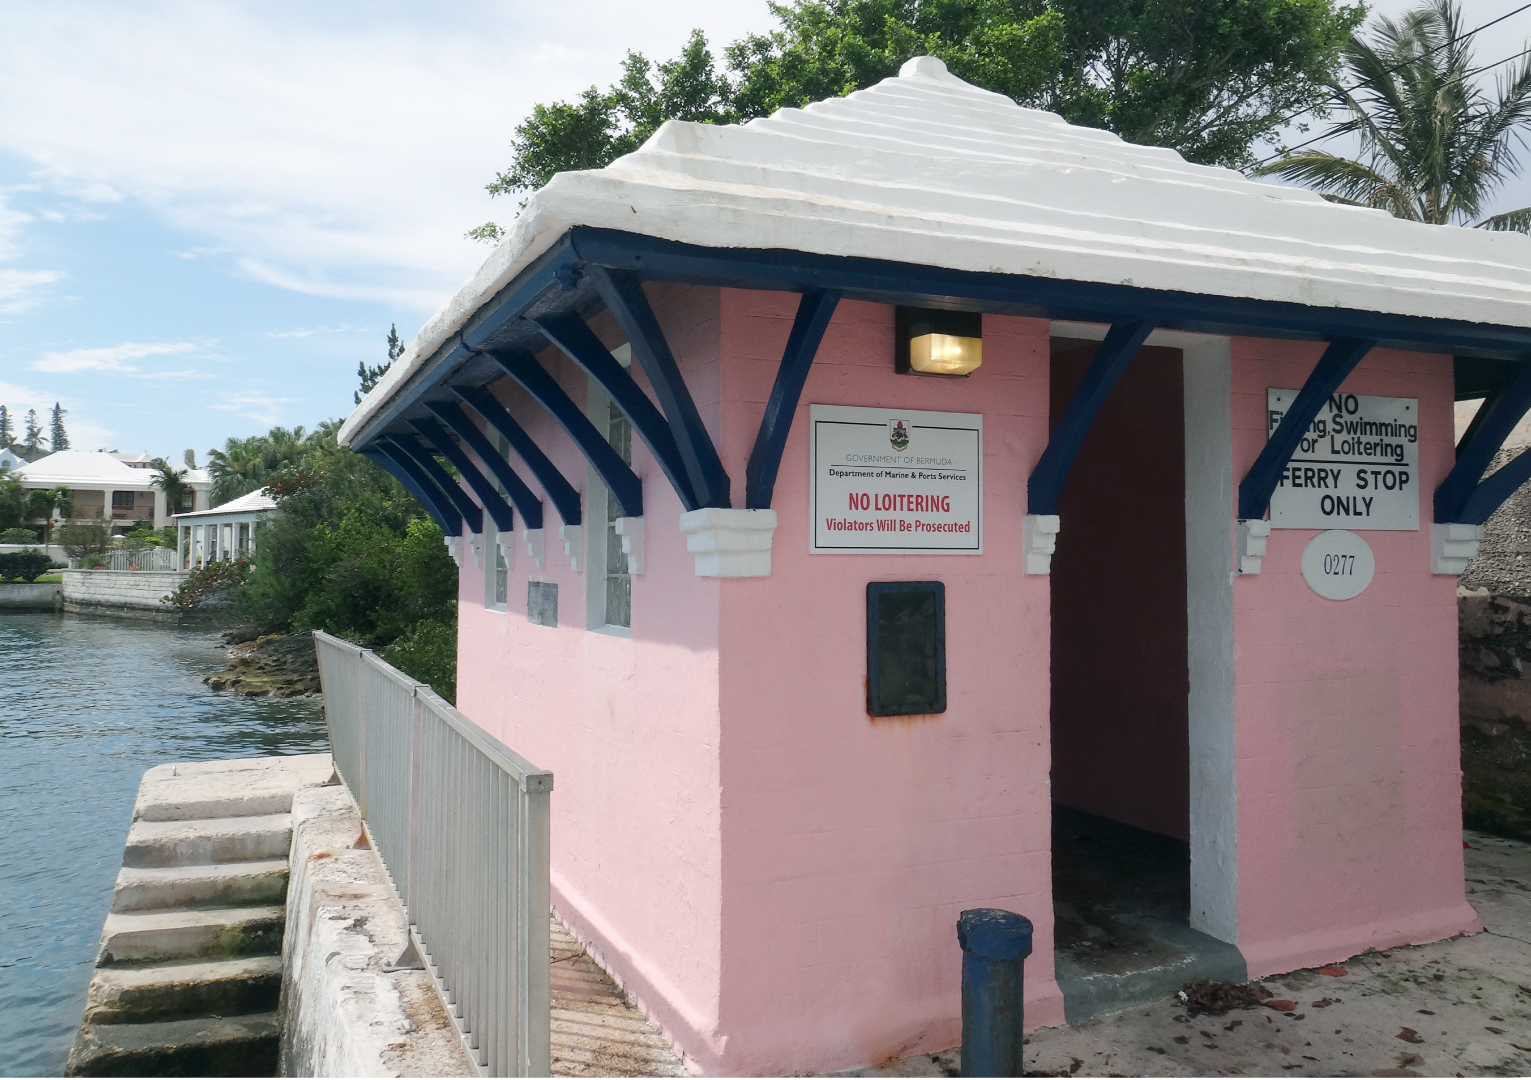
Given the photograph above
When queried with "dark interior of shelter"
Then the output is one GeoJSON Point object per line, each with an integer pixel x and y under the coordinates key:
{"type": "Point", "coordinates": [1121, 756]}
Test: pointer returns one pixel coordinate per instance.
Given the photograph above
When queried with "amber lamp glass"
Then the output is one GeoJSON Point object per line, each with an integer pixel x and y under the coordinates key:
{"type": "Point", "coordinates": [932, 342]}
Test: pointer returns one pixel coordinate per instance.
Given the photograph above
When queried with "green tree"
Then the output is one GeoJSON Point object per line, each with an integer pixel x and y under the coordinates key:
{"type": "Point", "coordinates": [33, 441]}
{"type": "Point", "coordinates": [349, 551]}
{"type": "Point", "coordinates": [238, 469]}
{"type": "Point", "coordinates": [1434, 145]}
{"type": "Point", "coordinates": [172, 481]}
{"type": "Point", "coordinates": [1209, 78]}
{"type": "Point", "coordinates": [59, 438]}
{"type": "Point", "coordinates": [370, 376]}
{"type": "Point", "coordinates": [43, 503]}
{"type": "Point", "coordinates": [7, 433]}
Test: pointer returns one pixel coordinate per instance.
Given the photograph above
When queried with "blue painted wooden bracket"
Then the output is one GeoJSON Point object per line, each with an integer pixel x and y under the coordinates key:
{"type": "Point", "coordinates": [617, 475]}
{"type": "Point", "coordinates": [437, 505]}
{"type": "Point", "coordinates": [624, 297]}
{"type": "Point", "coordinates": [1111, 359]}
{"type": "Point", "coordinates": [489, 498]}
{"type": "Point", "coordinates": [524, 498]}
{"type": "Point", "coordinates": [579, 343]}
{"type": "Point", "coordinates": [1494, 421]}
{"type": "Point", "coordinates": [1338, 361]}
{"type": "Point", "coordinates": [814, 311]}
{"type": "Point", "coordinates": [565, 498]}
{"type": "Point", "coordinates": [1492, 492]}
{"type": "Point", "coordinates": [472, 514]}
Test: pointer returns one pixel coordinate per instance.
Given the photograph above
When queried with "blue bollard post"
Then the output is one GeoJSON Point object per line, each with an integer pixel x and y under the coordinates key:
{"type": "Point", "coordinates": [995, 945]}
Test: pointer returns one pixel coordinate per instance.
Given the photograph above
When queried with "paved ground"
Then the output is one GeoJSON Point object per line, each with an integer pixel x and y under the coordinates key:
{"type": "Point", "coordinates": [1455, 1008]}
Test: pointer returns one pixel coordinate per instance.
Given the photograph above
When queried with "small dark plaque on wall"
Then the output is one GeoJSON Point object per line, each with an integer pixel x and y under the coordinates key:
{"type": "Point", "coordinates": [542, 602]}
{"type": "Point", "coordinates": [906, 648]}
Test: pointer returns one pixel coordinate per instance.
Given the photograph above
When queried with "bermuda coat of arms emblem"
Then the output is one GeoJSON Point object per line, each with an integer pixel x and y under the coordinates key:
{"type": "Point", "coordinates": [898, 434]}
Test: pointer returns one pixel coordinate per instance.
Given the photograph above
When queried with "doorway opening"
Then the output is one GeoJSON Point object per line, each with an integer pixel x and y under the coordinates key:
{"type": "Point", "coordinates": [1120, 698]}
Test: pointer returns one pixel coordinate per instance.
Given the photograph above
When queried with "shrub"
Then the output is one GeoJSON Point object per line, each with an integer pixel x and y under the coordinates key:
{"type": "Point", "coordinates": [27, 565]}
{"type": "Point", "coordinates": [428, 652]}
{"type": "Point", "coordinates": [213, 582]}
{"type": "Point", "coordinates": [18, 536]}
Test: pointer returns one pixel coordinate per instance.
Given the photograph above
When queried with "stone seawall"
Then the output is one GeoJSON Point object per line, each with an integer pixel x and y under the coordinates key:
{"type": "Point", "coordinates": [34, 597]}
{"type": "Point", "coordinates": [122, 592]}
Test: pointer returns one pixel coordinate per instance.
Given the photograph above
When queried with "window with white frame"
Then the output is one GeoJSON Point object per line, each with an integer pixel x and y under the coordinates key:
{"type": "Point", "coordinates": [496, 569]}
{"type": "Point", "coordinates": [619, 584]}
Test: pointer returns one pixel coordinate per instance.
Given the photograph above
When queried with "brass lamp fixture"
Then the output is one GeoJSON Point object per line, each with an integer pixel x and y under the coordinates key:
{"type": "Point", "coordinates": [928, 341]}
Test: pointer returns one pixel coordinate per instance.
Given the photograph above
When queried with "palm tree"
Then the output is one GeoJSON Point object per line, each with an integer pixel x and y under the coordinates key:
{"type": "Point", "coordinates": [239, 468]}
{"type": "Point", "coordinates": [284, 447]}
{"type": "Point", "coordinates": [42, 502]}
{"type": "Point", "coordinates": [172, 481]}
{"type": "Point", "coordinates": [1435, 146]}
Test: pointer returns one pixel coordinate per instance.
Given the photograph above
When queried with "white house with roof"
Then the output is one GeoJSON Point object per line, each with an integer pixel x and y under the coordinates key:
{"type": "Point", "coordinates": [104, 487]}
{"type": "Point", "coordinates": [9, 459]}
{"type": "Point", "coordinates": [224, 532]}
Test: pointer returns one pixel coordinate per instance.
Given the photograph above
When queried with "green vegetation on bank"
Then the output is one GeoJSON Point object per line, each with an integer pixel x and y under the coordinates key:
{"type": "Point", "coordinates": [348, 551]}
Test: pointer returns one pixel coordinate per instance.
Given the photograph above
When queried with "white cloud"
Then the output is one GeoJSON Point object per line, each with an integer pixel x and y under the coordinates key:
{"type": "Point", "coordinates": [262, 408]}
{"type": "Point", "coordinates": [113, 358]}
{"type": "Point", "coordinates": [341, 150]}
{"type": "Point", "coordinates": [19, 289]}
{"type": "Point", "coordinates": [84, 432]}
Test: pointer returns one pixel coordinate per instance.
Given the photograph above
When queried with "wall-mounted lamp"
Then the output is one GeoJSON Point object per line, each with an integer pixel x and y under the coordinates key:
{"type": "Point", "coordinates": [932, 342]}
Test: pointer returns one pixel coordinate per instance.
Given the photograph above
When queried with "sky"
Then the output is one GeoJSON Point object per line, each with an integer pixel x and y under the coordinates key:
{"type": "Point", "coordinates": [210, 214]}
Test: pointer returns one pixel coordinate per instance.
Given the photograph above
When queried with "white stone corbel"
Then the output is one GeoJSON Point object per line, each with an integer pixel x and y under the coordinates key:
{"type": "Point", "coordinates": [476, 541]}
{"type": "Point", "coordinates": [729, 543]}
{"type": "Point", "coordinates": [1039, 539]}
{"type": "Point", "coordinates": [533, 538]}
{"type": "Point", "coordinates": [1252, 534]}
{"type": "Point", "coordinates": [572, 535]}
{"type": "Point", "coordinates": [630, 529]}
{"type": "Point", "coordinates": [1453, 546]}
{"type": "Point", "coordinates": [454, 549]}
{"type": "Point", "coordinates": [507, 546]}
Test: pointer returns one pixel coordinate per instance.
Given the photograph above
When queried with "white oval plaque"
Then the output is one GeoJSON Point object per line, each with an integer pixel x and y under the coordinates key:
{"type": "Point", "coordinates": [1338, 564]}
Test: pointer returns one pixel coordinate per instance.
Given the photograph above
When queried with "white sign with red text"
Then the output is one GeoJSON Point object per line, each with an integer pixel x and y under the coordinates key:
{"type": "Point", "coordinates": [894, 481]}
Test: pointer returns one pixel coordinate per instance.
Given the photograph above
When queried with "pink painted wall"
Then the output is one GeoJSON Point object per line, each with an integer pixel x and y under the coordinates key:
{"type": "Point", "coordinates": [1348, 775]}
{"type": "Point", "coordinates": [776, 876]}
{"type": "Point", "coordinates": [852, 844]}
{"type": "Point", "coordinates": [629, 727]}
{"type": "Point", "coordinates": [1120, 679]}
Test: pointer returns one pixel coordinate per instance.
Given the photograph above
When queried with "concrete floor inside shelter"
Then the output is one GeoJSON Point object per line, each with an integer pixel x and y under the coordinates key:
{"type": "Point", "coordinates": [1121, 900]}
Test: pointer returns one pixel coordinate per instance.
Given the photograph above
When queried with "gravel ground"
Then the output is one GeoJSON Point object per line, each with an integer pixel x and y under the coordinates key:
{"type": "Point", "coordinates": [1455, 1008]}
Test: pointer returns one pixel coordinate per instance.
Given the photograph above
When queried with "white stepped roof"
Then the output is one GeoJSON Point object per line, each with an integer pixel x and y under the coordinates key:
{"type": "Point", "coordinates": [94, 470]}
{"type": "Point", "coordinates": [250, 503]}
{"type": "Point", "coordinates": [929, 170]}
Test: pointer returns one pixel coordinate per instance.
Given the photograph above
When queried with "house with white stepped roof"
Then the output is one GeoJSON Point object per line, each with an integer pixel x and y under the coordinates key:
{"type": "Point", "coordinates": [104, 487]}
{"type": "Point", "coordinates": [915, 503]}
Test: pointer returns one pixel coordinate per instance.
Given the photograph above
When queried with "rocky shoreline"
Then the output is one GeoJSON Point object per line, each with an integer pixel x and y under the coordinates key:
{"type": "Point", "coordinates": [273, 665]}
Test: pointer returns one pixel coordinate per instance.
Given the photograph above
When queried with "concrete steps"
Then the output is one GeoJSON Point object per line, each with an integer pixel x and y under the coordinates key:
{"type": "Point", "coordinates": [189, 975]}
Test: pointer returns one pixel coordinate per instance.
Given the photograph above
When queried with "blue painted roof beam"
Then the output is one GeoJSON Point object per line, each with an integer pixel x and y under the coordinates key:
{"type": "Point", "coordinates": [625, 299]}
{"type": "Point", "coordinates": [494, 504]}
{"type": "Point", "coordinates": [406, 472]}
{"type": "Point", "coordinates": [578, 342]}
{"type": "Point", "coordinates": [615, 473]}
{"type": "Point", "coordinates": [523, 498]}
{"type": "Point", "coordinates": [1465, 496]}
{"type": "Point", "coordinates": [814, 311]}
{"type": "Point", "coordinates": [565, 498]}
{"type": "Point", "coordinates": [1338, 361]}
{"type": "Point", "coordinates": [886, 282]}
{"type": "Point", "coordinates": [409, 445]}
{"type": "Point", "coordinates": [1111, 359]}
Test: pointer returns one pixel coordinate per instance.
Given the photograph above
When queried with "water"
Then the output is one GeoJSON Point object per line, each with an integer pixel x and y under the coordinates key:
{"type": "Point", "coordinates": [86, 705]}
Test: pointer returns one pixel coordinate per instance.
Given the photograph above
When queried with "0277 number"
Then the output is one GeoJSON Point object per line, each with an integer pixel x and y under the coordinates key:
{"type": "Point", "coordinates": [1339, 565]}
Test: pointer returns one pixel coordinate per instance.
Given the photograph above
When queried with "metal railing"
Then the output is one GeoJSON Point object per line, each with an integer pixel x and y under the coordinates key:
{"type": "Point", "coordinates": [149, 558]}
{"type": "Point", "coordinates": [460, 822]}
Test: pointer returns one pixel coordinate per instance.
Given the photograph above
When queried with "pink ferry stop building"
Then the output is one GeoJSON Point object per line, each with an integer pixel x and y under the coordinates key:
{"type": "Point", "coordinates": [914, 503]}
